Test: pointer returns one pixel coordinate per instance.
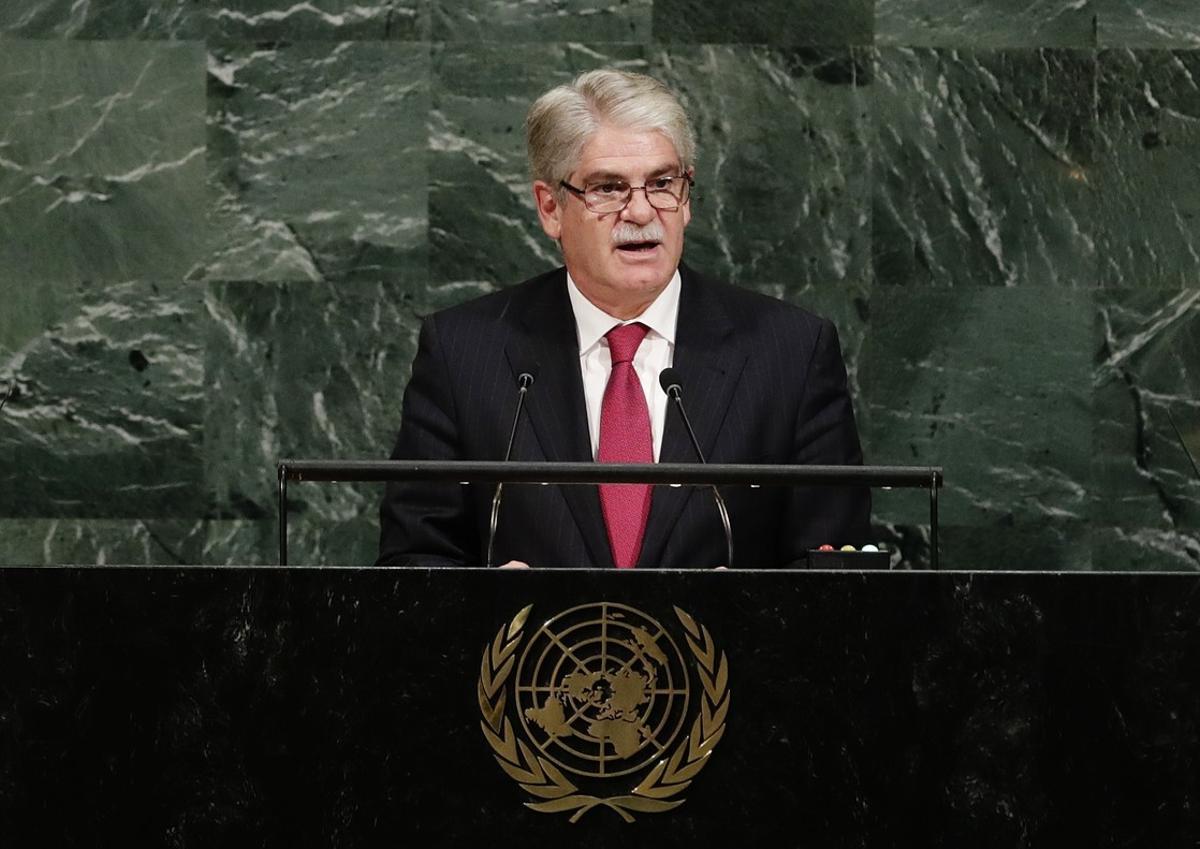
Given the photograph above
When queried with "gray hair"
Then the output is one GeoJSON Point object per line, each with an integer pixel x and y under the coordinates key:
{"type": "Point", "coordinates": [561, 121]}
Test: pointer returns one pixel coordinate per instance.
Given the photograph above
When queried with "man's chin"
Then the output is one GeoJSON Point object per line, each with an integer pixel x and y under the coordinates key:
{"type": "Point", "coordinates": [624, 290]}
{"type": "Point", "coordinates": [643, 269]}
{"type": "Point", "coordinates": [641, 278]}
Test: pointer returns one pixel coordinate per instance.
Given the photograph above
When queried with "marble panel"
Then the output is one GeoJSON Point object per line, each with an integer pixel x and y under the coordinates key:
{"type": "Point", "coordinates": [1147, 23]}
{"type": "Point", "coordinates": [1145, 550]}
{"type": "Point", "coordinates": [30, 308]}
{"type": "Point", "coordinates": [982, 165]}
{"type": "Point", "coordinates": [483, 225]}
{"type": "Point", "coordinates": [254, 542]}
{"type": "Point", "coordinates": [319, 542]}
{"type": "Point", "coordinates": [101, 160]}
{"type": "Point", "coordinates": [979, 24]}
{"type": "Point", "coordinates": [102, 19]}
{"type": "Point", "coordinates": [106, 416]}
{"type": "Point", "coordinates": [303, 371]}
{"type": "Point", "coordinates": [1032, 545]}
{"type": "Point", "coordinates": [337, 20]}
{"type": "Point", "coordinates": [1148, 222]}
{"type": "Point", "coordinates": [992, 385]}
{"type": "Point", "coordinates": [782, 183]}
{"type": "Point", "coordinates": [1013, 544]}
{"type": "Point", "coordinates": [312, 540]}
{"type": "Point", "coordinates": [317, 163]}
{"type": "Point", "coordinates": [782, 22]}
{"type": "Point", "coordinates": [1147, 387]}
{"type": "Point", "coordinates": [1046, 23]}
{"type": "Point", "coordinates": [141, 542]}
{"type": "Point", "coordinates": [563, 20]}
{"type": "Point", "coordinates": [848, 306]}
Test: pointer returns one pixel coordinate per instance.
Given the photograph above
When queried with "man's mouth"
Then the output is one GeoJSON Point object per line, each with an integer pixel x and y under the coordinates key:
{"type": "Point", "coordinates": [637, 247]}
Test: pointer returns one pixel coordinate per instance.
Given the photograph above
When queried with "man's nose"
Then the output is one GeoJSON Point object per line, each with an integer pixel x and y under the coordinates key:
{"type": "Point", "coordinates": [639, 210]}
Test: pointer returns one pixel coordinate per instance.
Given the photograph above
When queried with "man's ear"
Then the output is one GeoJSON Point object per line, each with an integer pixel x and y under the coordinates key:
{"type": "Point", "coordinates": [549, 209]}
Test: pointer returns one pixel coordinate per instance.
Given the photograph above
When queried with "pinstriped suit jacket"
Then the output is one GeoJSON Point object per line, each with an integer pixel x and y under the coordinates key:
{"type": "Point", "coordinates": [764, 382]}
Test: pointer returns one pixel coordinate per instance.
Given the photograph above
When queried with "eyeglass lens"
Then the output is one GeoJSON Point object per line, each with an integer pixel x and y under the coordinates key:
{"type": "Point", "coordinates": [665, 193]}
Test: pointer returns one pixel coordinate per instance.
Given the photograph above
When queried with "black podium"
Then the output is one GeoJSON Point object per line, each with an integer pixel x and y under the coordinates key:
{"type": "Point", "coordinates": [373, 707]}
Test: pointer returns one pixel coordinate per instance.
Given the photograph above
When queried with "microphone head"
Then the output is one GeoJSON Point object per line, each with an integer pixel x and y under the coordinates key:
{"type": "Point", "coordinates": [668, 379]}
{"type": "Point", "coordinates": [526, 376]}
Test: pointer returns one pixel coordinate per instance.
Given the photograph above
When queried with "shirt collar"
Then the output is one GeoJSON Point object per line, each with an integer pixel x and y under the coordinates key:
{"type": "Point", "coordinates": [591, 322]}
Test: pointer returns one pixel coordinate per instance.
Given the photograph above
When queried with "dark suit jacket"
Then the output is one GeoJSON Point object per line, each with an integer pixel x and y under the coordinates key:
{"type": "Point", "coordinates": [764, 382]}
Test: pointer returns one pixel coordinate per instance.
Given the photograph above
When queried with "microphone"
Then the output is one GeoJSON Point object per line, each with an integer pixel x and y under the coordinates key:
{"type": "Point", "coordinates": [668, 379]}
{"type": "Point", "coordinates": [524, 381]}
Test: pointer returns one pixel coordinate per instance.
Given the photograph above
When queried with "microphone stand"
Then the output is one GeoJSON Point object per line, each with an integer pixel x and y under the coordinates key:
{"type": "Point", "coordinates": [675, 393]}
{"type": "Point", "coordinates": [524, 381]}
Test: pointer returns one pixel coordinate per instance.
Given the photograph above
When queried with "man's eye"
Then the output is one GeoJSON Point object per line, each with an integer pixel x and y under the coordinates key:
{"type": "Point", "coordinates": [607, 189]}
{"type": "Point", "coordinates": [661, 184]}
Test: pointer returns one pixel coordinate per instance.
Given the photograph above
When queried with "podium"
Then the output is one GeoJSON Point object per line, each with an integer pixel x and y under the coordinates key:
{"type": "Point", "coordinates": [347, 707]}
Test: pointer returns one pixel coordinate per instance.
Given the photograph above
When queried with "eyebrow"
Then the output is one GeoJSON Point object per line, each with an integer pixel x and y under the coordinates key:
{"type": "Point", "coordinates": [595, 176]}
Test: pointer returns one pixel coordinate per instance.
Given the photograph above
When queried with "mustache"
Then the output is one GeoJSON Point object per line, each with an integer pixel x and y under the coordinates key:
{"type": "Point", "coordinates": [627, 232]}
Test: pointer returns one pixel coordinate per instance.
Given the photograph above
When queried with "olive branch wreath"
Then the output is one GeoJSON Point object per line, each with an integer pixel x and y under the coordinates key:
{"type": "Point", "coordinates": [539, 777]}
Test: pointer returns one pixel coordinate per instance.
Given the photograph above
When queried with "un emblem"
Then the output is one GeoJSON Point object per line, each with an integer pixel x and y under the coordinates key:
{"type": "Point", "coordinates": [603, 694]}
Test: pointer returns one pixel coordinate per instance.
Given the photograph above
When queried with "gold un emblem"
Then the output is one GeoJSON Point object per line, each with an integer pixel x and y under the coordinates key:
{"type": "Point", "coordinates": [602, 695]}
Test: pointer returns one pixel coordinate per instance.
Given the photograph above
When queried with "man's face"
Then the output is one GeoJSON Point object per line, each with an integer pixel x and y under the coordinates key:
{"type": "Point", "coordinates": [621, 280]}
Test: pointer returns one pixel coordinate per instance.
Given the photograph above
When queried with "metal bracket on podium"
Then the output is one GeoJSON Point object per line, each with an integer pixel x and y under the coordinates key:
{"type": "Point", "coordinates": [657, 474]}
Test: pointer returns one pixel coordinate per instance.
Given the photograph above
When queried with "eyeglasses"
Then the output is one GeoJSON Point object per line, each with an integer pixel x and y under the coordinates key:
{"type": "Point", "coordinates": [664, 193]}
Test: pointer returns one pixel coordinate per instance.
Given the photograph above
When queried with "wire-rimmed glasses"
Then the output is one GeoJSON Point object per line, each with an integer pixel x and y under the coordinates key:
{"type": "Point", "coordinates": [604, 196]}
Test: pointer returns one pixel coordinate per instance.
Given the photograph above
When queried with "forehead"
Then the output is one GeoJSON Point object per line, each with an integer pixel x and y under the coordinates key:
{"type": "Point", "coordinates": [626, 153]}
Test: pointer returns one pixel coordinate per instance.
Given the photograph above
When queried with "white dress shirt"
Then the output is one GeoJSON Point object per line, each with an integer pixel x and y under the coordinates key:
{"type": "Point", "coordinates": [654, 354]}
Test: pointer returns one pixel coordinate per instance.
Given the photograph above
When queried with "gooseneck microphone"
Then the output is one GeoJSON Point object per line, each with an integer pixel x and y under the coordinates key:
{"type": "Point", "coordinates": [668, 379]}
{"type": "Point", "coordinates": [524, 381]}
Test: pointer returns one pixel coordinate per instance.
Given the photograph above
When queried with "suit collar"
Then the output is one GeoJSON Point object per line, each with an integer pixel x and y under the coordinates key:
{"type": "Point", "coordinates": [546, 345]}
{"type": "Point", "coordinates": [707, 361]}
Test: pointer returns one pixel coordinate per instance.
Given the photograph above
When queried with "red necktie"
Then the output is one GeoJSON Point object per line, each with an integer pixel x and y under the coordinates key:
{"type": "Point", "coordinates": [625, 438]}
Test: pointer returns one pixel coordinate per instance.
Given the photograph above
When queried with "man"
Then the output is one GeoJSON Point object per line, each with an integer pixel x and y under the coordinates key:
{"type": "Point", "coordinates": [612, 157]}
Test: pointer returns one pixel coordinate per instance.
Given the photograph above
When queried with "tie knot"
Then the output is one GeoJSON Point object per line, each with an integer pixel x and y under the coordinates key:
{"type": "Point", "coordinates": [623, 341]}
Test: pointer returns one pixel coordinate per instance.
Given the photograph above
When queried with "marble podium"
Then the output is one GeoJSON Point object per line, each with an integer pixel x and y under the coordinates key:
{"type": "Point", "coordinates": [331, 707]}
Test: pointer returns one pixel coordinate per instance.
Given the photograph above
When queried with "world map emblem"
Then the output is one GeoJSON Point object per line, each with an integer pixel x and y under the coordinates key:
{"type": "Point", "coordinates": [596, 707]}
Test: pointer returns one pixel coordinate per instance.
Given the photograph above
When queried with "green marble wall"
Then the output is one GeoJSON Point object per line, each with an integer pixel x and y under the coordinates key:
{"type": "Point", "coordinates": [220, 225]}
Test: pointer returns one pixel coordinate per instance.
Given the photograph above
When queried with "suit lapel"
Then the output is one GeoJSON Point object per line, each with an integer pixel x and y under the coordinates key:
{"type": "Point", "coordinates": [709, 363]}
{"type": "Point", "coordinates": [546, 342]}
